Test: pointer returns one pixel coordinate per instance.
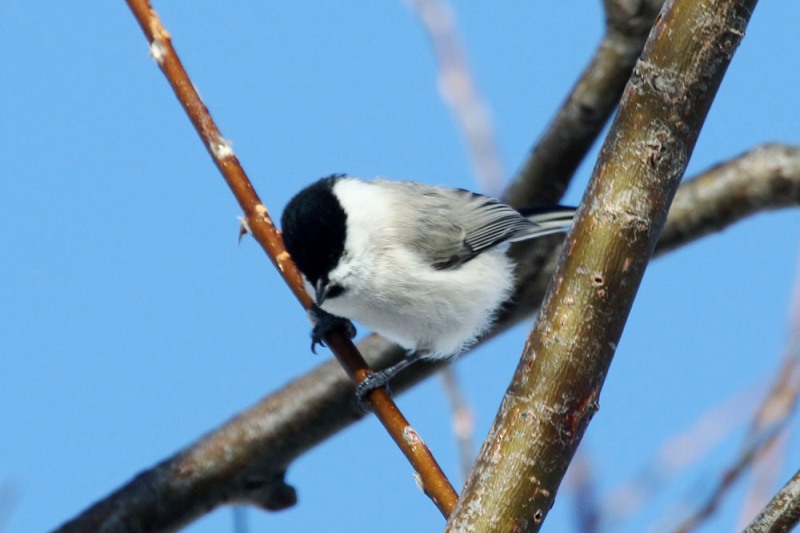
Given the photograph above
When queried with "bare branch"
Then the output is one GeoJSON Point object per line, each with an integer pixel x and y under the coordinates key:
{"type": "Point", "coordinates": [764, 476]}
{"type": "Point", "coordinates": [460, 93]}
{"type": "Point", "coordinates": [463, 419]}
{"type": "Point", "coordinates": [761, 179]}
{"type": "Point", "coordinates": [780, 404]}
{"type": "Point", "coordinates": [768, 427]}
{"type": "Point", "coordinates": [555, 390]}
{"type": "Point", "coordinates": [258, 222]}
{"type": "Point", "coordinates": [679, 451]}
{"type": "Point", "coordinates": [755, 448]}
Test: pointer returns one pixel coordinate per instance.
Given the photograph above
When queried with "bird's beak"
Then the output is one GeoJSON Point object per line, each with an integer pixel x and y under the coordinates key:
{"type": "Point", "coordinates": [320, 291]}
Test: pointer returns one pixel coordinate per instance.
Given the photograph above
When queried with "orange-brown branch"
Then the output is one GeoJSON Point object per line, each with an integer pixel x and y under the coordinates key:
{"type": "Point", "coordinates": [260, 225]}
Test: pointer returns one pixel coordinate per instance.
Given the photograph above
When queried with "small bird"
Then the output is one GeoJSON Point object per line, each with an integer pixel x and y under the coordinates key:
{"type": "Point", "coordinates": [424, 266]}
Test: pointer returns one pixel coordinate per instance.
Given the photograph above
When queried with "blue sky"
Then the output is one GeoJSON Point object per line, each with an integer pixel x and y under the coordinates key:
{"type": "Point", "coordinates": [131, 321]}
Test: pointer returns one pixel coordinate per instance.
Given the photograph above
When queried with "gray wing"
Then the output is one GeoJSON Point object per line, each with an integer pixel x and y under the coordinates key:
{"type": "Point", "coordinates": [459, 225]}
{"type": "Point", "coordinates": [487, 223]}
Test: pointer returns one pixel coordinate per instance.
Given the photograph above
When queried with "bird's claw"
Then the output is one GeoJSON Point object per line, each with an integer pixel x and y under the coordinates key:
{"type": "Point", "coordinates": [380, 379]}
{"type": "Point", "coordinates": [324, 323]}
{"type": "Point", "coordinates": [375, 380]}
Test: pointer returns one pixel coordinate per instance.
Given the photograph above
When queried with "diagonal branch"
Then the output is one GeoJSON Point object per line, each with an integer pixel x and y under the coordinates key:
{"type": "Point", "coordinates": [459, 91]}
{"type": "Point", "coordinates": [556, 387]}
{"type": "Point", "coordinates": [260, 225]}
{"type": "Point", "coordinates": [260, 443]}
{"type": "Point", "coordinates": [756, 447]}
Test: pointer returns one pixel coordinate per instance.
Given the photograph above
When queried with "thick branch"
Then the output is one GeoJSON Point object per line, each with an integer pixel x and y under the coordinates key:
{"type": "Point", "coordinates": [761, 179]}
{"type": "Point", "coordinates": [556, 155]}
{"type": "Point", "coordinates": [555, 390]}
{"type": "Point", "coordinates": [260, 443]}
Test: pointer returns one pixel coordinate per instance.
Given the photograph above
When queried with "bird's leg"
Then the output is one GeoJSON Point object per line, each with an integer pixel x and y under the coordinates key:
{"type": "Point", "coordinates": [380, 378]}
{"type": "Point", "coordinates": [324, 323]}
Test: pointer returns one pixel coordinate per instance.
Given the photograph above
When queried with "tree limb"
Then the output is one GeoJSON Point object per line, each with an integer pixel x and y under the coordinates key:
{"type": "Point", "coordinates": [258, 222]}
{"type": "Point", "coordinates": [555, 390]}
{"type": "Point", "coordinates": [761, 179]}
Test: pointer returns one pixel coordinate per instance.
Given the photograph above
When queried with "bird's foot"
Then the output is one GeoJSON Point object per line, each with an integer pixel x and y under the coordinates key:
{"type": "Point", "coordinates": [324, 323]}
{"type": "Point", "coordinates": [380, 380]}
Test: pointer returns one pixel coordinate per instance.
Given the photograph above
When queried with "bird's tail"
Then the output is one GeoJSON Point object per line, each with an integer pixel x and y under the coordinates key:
{"type": "Point", "coordinates": [547, 220]}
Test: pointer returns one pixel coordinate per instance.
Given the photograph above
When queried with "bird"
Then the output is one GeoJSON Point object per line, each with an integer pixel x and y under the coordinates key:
{"type": "Point", "coordinates": [424, 266]}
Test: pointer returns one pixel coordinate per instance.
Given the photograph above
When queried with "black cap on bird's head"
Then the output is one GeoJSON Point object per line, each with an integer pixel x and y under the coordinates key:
{"type": "Point", "coordinates": [313, 226]}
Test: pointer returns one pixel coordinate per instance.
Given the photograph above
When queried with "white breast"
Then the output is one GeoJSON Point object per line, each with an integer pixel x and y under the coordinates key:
{"type": "Point", "coordinates": [395, 293]}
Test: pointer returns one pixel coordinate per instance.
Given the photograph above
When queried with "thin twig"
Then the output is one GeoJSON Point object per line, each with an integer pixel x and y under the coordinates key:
{"type": "Point", "coordinates": [9, 497]}
{"type": "Point", "coordinates": [463, 419]}
{"type": "Point", "coordinates": [581, 482]}
{"type": "Point", "coordinates": [728, 478]}
{"type": "Point", "coordinates": [769, 423]}
{"type": "Point", "coordinates": [678, 452]}
{"type": "Point", "coordinates": [764, 476]}
{"type": "Point", "coordinates": [260, 225]}
{"type": "Point", "coordinates": [459, 91]}
{"type": "Point", "coordinates": [780, 404]}
{"type": "Point", "coordinates": [240, 522]}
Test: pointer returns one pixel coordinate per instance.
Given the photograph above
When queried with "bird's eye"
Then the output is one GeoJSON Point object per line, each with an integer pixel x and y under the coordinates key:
{"type": "Point", "coordinates": [334, 291]}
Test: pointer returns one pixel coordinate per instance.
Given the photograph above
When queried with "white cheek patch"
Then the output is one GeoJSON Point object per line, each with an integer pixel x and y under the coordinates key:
{"type": "Point", "coordinates": [367, 207]}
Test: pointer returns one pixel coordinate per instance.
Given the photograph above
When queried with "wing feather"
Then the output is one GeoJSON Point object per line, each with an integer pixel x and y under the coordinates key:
{"type": "Point", "coordinates": [460, 224]}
